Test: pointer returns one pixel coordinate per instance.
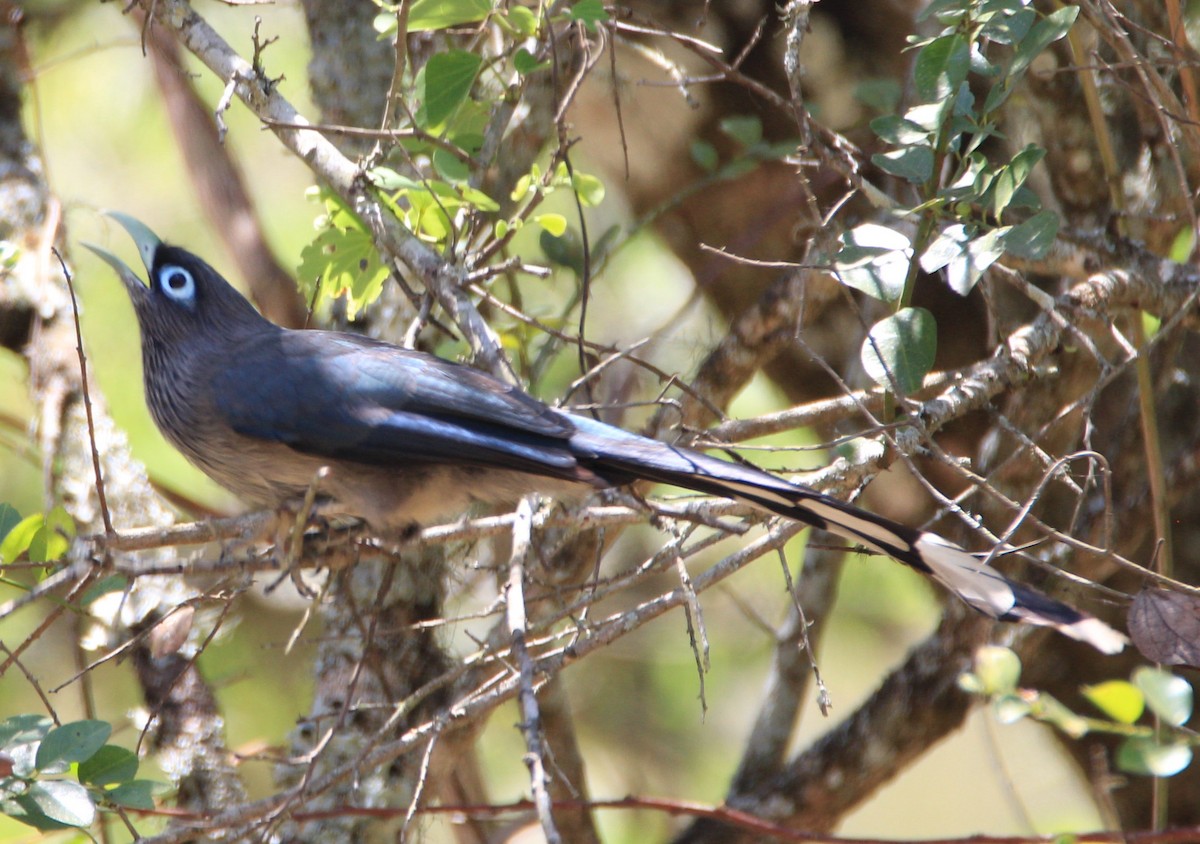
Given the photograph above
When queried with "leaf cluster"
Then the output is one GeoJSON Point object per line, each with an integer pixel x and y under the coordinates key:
{"type": "Point", "coordinates": [1161, 750]}
{"type": "Point", "coordinates": [60, 777]}
{"type": "Point", "coordinates": [971, 207]}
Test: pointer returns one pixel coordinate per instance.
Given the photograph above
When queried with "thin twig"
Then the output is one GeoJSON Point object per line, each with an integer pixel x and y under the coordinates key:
{"type": "Point", "coordinates": [531, 727]}
{"type": "Point", "coordinates": [87, 398]}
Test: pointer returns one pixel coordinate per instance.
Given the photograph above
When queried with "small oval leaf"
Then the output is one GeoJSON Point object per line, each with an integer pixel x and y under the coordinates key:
{"type": "Point", "coordinates": [1169, 697]}
{"type": "Point", "coordinates": [18, 539]}
{"type": "Point", "coordinates": [1117, 699]}
{"type": "Point", "coordinates": [73, 742]}
{"type": "Point", "coordinates": [588, 188]}
{"type": "Point", "coordinates": [111, 764]}
{"type": "Point", "coordinates": [138, 794]}
{"type": "Point", "coordinates": [63, 801]}
{"type": "Point", "coordinates": [998, 669]}
{"type": "Point", "coordinates": [9, 519]}
{"type": "Point", "coordinates": [1033, 238]}
{"type": "Point", "coordinates": [425, 15]}
{"type": "Point", "coordinates": [874, 259]}
{"type": "Point", "coordinates": [901, 347]}
{"type": "Point", "coordinates": [1139, 755]}
{"type": "Point", "coordinates": [911, 163]}
{"type": "Point", "coordinates": [556, 224]}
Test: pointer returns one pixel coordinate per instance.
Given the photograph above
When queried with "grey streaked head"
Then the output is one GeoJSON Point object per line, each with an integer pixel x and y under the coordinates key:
{"type": "Point", "coordinates": [185, 297]}
{"type": "Point", "coordinates": [192, 322]}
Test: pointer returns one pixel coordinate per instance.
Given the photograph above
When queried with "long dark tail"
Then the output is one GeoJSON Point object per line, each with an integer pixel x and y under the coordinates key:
{"type": "Point", "coordinates": [620, 456]}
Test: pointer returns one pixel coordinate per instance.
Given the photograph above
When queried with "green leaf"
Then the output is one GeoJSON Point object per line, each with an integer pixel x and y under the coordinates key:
{"type": "Point", "coordinates": [342, 262]}
{"type": "Point", "coordinates": [874, 259]}
{"type": "Point", "coordinates": [589, 189]}
{"type": "Point", "coordinates": [525, 185]}
{"type": "Point", "coordinates": [589, 13]}
{"type": "Point", "coordinates": [1003, 188]}
{"type": "Point", "coordinates": [979, 253]}
{"type": "Point", "coordinates": [746, 129]}
{"type": "Point", "coordinates": [913, 163]}
{"type": "Point", "coordinates": [443, 84]}
{"type": "Point", "coordinates": [899, 130]}
{"type": "Point", "coordinates": [556, 224]}
{"type": "Point", "coordinates": [944, 248]}
{"type": "Point", "coordinates": [903, 344]}
{"type": "Point", "coordinates": [385, 24]}
{"type": "Point", "coordinates": [425, 15]}
{"type": "Point", "coordinates": [998, 669]}
{"type": "Point", "coordinates": [1118, 699]}
{"type": "Point", "coordinates": [9, 519]}
{"type": "Point", "coordinates": [341, 259]}
{"type": "Point", "coordinates": [963, 108]}
{"type": "Point", "coordinates": [449, 166]}
{"type": "Point", "coordinates": [705, 155]}
{"type": "Point", "coordinates": [1010, 177]}
{"type": "Point", "coordinates": [25, 809]}
{"type": "Point", "coordinates": [53, 538]}
{"type": "Point", "coordinates": [1041, 35]}
{"type": "Point", "coordinates": [138, 794]}
{"type": "Point", "coordinates": [473, 197]}
{"type": "Point", "coordinates": [1150, 323]}
{"type": "Point", "coordinates": [1025, 49]}
{"type": "Point", "coordinates": [965, 258]}
{"type": "Point", "coordinates": [72, 742]}
{"type": "Point", "coordinates": [926, 115]}
{"type": "Point", "coordinates": [63, 801]}
{"type": "Point", "coordinates": [10, 254]}
{"type": "Point", "coordinates": [111, 764]}
{"type": "Point", "coordinates": [18, 729]}
{"type": "Point", "coordinates": [1169, 697]}
{"type": "Point", "coordinates": [525, 62]}
{"type": "Point", "coordinates": [969, 683]}
{"type": "Point", "coordinates": [389, 180]}
{"type": "Point", "coordinates": [946, 10]}
{"type": "Point", "coordinates": [1033, 238]}
{"type": "Point", "coordinates": [941, 67]}
{"type": "Point", "coordinates": [1008, 26]}
{"type": "Point", "coordinates": [523, 20]}
{"type": "Point", "coordinates": [112, 583]}
{"type": "Point", "coordinates": [565, 251]}
{"type": "Point", "coordinates": [1139, 755]}
{"type": "Point", "coordinates": [1023, 162]}
{"type": "Point", "coordinates": [19, 537]}
{"type": "Point", "coordinates": [428, 217]}
{"type": "Point", "coordinates": [980, 64]}
{"type": "Point", "coordinates": [1180, 250]}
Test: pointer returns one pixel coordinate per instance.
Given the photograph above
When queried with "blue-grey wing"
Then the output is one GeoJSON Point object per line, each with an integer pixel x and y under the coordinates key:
{"type": "Point", "coordinates": [350, 398]}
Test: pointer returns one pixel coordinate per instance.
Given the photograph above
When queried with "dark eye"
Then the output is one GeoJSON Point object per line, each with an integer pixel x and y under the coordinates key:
{"type": "Point", "coordinates": [177, 283]}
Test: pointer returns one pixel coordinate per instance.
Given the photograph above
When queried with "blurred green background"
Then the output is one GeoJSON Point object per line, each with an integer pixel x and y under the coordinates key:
{"type": "Point", "coordinates": [94, 112]}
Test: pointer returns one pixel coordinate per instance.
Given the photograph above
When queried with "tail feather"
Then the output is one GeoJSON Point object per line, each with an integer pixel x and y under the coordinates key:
{"type": "Point", "coordinates": [979, 586]}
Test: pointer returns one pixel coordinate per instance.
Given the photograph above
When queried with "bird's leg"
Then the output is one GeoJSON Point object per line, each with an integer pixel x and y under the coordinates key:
{"type": "Point", "coordinates": [289, 535]}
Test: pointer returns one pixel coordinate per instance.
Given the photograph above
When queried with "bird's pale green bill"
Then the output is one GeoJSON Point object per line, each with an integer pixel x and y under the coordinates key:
{"type": "Point", "coordinates": [144, 239]}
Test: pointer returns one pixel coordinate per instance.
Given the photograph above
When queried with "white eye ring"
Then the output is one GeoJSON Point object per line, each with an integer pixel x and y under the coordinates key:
{"type": "Point", "coordinates": [177, 283]}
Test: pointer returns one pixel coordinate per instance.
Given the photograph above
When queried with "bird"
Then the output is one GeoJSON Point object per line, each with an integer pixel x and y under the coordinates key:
{"type": "Point", "coordinates": [402, 437]}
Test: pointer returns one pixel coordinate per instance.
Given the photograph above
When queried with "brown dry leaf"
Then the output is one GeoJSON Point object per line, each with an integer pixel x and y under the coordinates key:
{"type": "Point", "coordinates": [168, 635]}
{"type": "Point", "coordinates": [1165, 626]}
